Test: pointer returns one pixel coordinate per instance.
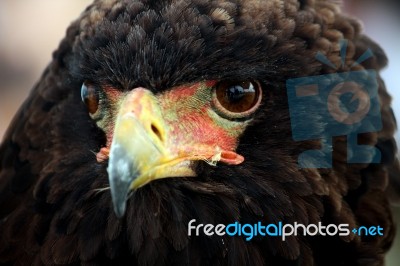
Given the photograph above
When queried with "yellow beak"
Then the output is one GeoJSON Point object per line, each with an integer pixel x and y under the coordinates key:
{"type": "Point", "coordinates": [156, 138]}
{"type": "Point", "coordinates": [138, 151]}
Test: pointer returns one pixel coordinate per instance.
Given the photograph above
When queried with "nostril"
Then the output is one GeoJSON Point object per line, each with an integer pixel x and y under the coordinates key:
{"type": "Point", "coordinates": [156, 131]}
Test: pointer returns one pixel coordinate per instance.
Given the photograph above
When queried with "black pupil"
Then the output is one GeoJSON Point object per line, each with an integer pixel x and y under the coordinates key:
{"type": "Point", "coordinates": [235, 93]}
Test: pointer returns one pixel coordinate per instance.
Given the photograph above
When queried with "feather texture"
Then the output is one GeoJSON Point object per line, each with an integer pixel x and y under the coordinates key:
{"type": "Point", "coordinates": [55, 206]}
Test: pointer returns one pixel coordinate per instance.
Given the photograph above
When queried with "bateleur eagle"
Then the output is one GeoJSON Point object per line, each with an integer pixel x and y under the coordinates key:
{"type": "Point", "coordinates": [153, 113]}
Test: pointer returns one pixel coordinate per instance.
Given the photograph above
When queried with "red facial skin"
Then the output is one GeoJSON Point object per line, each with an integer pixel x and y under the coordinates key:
{"type": "Point", "coordinates": [191, 124]}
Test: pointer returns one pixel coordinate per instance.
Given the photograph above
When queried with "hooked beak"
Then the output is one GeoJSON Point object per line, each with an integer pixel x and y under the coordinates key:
{"type": "Point", "coordinates": [143, 150]}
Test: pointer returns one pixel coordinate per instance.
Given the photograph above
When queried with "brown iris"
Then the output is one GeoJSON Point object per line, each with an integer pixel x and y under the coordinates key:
{"type": "Point", "coordinates": [238, 97]}
{"type": "Point", "coordinates": [90, 97]}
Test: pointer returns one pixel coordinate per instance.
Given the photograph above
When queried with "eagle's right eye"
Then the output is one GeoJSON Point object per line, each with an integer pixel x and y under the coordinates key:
{"type": "Point", "coordinates": [237, 99]}
{"type": "Point", "coordinates": [90, 97]}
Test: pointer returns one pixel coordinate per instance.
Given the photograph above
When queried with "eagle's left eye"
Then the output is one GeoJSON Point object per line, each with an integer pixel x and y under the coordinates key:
{"type": "Point", "coordinates": [90, 97]}
{"type": "Point", "coordinates": [237, 98]}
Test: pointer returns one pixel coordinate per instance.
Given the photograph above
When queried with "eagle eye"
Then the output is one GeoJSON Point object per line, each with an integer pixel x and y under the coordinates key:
{"type": "Point", "coordinates": [90, 97]}
{"type": "Point", "coordinates": [237, 99]}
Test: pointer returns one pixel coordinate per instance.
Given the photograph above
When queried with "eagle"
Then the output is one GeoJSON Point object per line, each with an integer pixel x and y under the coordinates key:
{"type": "Point", "coordinates": [157, 115]}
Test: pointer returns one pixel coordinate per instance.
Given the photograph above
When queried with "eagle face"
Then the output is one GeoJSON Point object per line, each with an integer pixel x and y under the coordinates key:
{"type": "Point", "coordinates": [161, 136]}
{"type": "Point", "coordinates": [154, 83]}
{"type": "Point", "coordinates": [160, 112]}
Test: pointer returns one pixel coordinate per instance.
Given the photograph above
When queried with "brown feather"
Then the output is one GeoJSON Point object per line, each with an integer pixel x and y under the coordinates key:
{"type": "Point", "coordinates": [55, 207]}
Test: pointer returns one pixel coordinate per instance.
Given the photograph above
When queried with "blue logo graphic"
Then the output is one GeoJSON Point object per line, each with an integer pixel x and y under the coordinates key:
{"type": "Point", "coordinates": [338, 104]}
